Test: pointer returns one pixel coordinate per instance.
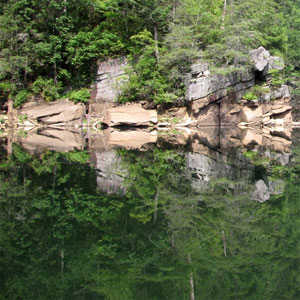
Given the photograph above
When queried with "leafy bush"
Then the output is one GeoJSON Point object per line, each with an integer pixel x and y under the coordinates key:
{"type": "Point", "coordinates": [6, 89]}
{"type": "Point", "coordinates": [277, 78]}
{"type": "Point", "coordinates": [145, 79]}
{"type": "Point", "coordinates": [21, 97]}
{"type": "Point", "coordinates": [256, 92]}
{"type": "Point", "coordinates": [46, 88]}
{"type": "Point", "coordinates": [250, 96]}
{"type": "Point", "coordinates": [82, 95]}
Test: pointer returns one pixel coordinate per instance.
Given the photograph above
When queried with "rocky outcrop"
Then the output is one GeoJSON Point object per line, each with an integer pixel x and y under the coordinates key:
{"type": "Point", "coordinates": [206, 87]}
{"type": "Point", "coordinates": [215, 99]}
{"type": "Point", "coordinates": [111, 75]}
{"type": "Point", "coordinates": [129, 115]}
{"type": "Point", "coordinates": [264, 62]}
{"type": "Point", "coordinates": [275, 112]}
{"type": "Point", "coordinates": [56, 113]}
{"type": "Point", "coordinates": [263, 191]}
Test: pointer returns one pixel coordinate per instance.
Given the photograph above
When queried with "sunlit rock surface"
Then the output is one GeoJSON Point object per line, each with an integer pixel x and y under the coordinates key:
{"type": "Point", "coordinates": [59, 113]}
{"type": "Point", "coordinates": [129, 115]}
{"type": "Point", "coordinates": [111, 75]}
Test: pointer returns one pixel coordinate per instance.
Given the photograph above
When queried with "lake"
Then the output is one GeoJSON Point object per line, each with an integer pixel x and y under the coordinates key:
{"type": "Point", "coordinates": [120, 215]}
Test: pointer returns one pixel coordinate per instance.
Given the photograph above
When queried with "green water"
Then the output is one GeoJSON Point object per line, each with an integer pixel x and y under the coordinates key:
{"type": "Point", "coordinates": [156, 224]}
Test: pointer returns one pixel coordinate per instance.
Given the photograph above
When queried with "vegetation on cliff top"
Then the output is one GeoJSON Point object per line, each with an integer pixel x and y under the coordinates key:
{"type": "Point", "coordinates": [50, 47]}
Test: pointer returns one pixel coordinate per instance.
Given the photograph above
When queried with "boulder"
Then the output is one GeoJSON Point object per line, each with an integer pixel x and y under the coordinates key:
{"type": "Point", "coordinates": [130, 139]}
{"type": "Point", "coordinates": [264, 62]}
{"type": "Point", "coordinates": [260, 57]}
{"type": "Point", "coordinates": [261, 192]}
{"type": "Point", "coordinates": [60, 112]}
{"type": "Point", "coordinates": [129, 115]}
{"type": "Point", "coordinates": [97, 109]}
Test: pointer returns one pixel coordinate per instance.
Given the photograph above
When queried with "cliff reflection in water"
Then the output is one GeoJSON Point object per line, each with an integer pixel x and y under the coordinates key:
{"type": "Point", "coordinates": [150, 215]}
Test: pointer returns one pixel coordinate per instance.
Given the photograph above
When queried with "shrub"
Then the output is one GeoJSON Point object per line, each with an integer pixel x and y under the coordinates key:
{"type": "Point", "coordinates": [47, 88]}
{"type": "Point", "coordinates": [250, 96]}
{"type": "Point", "coordinates": [277, 78]}
{"type": "Point", "coordinates": [6, 90]}
{"type": "Point", "coordinates": [21, 97]}
{"type": "Point", "coordinates": [82, 95]}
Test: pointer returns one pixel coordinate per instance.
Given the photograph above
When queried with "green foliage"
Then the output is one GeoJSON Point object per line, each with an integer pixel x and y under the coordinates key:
{"type": "Point", "coordinates": [256, 92]}
{"type": "Point", "coordinates": [62, 41]}
{"type": "Point", "coordinates": [250, 96]}
{"type": "Point", "coordinates": [277, 78]}
{"type": "Point", "coordinates": [256, 159]}
{"type": "Point", "coordinates": [6, 90]}
{"type": "Point", "coordinates": [145, 80]}
{"type": "Point", "coordinates": [21, 97]}
{"type": "Point", "coordinates": [46, 88]}
{"type": "Point", "coordinates": [82, 95]}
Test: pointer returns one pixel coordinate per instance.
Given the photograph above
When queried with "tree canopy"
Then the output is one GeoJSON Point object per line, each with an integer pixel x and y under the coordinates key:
{"type": "Point", "coordinates": [58, 42]}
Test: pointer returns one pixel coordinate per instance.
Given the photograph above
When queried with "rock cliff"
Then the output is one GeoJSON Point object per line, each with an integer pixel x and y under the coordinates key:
{"type": "Point", "coordinates": [216, 99]}
{"type": "Point", "coordinates": [111, 75]}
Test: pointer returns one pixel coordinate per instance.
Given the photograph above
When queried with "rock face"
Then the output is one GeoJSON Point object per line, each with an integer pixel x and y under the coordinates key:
{"type": "Point", "coordinates": [129, 115]}
{"type": "Point", "coordinates": [271, 113]}
{"type": "Point", "coordinates": [111, 75]}
{"type": "Point", "coordinates": [264, 62]}
{"type": "Point", "coordinates": [215, 99]}
{"type": "Point", "coordinates": [205, 87]}
{"type": "Point", "coordinates": [58, 113]}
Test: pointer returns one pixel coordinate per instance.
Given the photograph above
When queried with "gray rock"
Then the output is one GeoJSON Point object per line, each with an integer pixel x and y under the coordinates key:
{"type": "Point", "coordinates": [276, 187]}
{"type": "Point", "coordinates": [275, 63]}
{"type": "Point", "coordinates": [264, 62]}
{"type": "Point", "coordinates": [282, 92]}
{"type": "Point", "coordinates": [207, 84]}
{"type": "Point", "coordinates": [260, 57]}
{"type": "Point", "coordinates": [261, 192]}
{"type": "Point", "coordinates": [111, 76]}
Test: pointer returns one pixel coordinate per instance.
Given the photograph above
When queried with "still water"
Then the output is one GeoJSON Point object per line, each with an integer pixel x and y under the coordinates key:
{"type": "Point", "coordinates": [121, 215]}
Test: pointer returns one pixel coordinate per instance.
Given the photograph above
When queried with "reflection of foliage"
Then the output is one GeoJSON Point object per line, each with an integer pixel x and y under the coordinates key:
{"type": "Point", "coordinates": [149, 171]}
{"type": "Point", "coordinates": [60, 238]}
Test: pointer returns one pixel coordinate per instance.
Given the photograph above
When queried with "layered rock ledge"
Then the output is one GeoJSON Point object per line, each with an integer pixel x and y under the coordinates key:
{"type": "Point", "coordinates": [212, 99]}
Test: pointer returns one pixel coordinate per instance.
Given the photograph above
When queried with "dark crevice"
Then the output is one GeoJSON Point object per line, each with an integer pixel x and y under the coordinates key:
{"type": "Point", "coordinates": [259, 76]}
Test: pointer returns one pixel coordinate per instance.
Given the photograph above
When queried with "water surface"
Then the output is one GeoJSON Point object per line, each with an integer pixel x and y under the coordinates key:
{"type": "Point", "coordinates": [119, 215]}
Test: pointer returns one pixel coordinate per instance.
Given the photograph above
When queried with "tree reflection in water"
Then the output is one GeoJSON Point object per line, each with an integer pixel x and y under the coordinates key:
{"type": "Point", "coordinates": [165, 237]}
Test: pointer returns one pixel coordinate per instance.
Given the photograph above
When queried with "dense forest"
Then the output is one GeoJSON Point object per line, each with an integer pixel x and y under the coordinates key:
{"type": "Point", "coordinates": [50, 48]}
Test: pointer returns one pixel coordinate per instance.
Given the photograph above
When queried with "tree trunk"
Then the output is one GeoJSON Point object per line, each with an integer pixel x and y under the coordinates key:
{"type": "Point", "coordinates": [224, 243]}
{"type": "Point", "coordinates": [224, 14]}
{"type": "Point", "coordinates": [174, 9]}
{"type": "Point", "coordinates": [155, 207]}
{"type": "Point", "coordinates": [156, 42]}
{"type": "Point", "coordinates": [191, 279]}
